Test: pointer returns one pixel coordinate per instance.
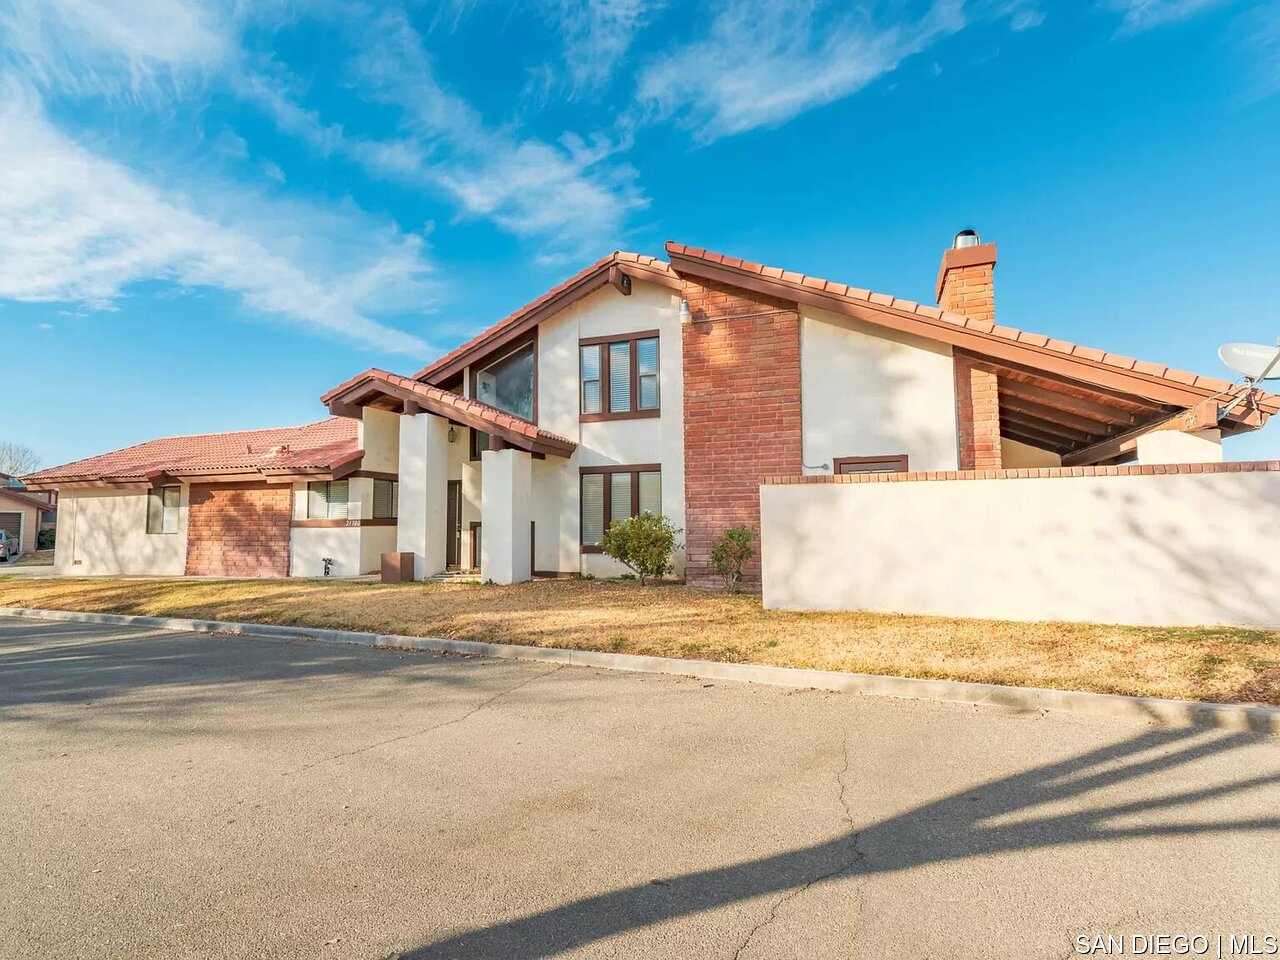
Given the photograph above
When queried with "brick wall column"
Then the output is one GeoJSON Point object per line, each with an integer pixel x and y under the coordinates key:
{"type": "Point", "coordinates": [741, 413]}
{"type": "Point", "coordinates": [977, 417]}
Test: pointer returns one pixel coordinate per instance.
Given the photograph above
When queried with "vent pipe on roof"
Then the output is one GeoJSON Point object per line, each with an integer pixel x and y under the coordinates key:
{"type": "Point", "coordinates": [966, 238]}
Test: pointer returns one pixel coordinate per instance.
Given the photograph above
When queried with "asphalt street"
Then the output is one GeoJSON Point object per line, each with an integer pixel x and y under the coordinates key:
{"type": "Point", "coordinates": [175, 795]}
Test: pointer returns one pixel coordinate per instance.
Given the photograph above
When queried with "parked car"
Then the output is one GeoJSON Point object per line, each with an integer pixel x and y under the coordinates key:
{"type": "Point", "coordinates": [9, 545]}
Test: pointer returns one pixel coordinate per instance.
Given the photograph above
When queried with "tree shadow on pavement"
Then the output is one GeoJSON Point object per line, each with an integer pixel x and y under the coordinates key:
{"type": "Point", "coordinates": [971, 823]}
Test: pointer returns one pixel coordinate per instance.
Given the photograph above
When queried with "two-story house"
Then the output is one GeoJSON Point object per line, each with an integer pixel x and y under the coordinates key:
{"type": "Point", "coordinates": [637, 385]}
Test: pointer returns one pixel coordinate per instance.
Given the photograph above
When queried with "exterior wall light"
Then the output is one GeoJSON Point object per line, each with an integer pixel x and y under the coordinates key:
{"type": "Point", "coordinates": [686, 316]}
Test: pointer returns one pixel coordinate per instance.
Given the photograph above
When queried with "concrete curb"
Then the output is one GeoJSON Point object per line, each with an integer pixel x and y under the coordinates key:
{"type": "Point", "coordinates": [1224, 716]}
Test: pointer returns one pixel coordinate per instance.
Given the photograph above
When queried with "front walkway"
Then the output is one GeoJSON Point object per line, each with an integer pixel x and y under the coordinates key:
{"type": "Point", "coordinates": [169, 795]}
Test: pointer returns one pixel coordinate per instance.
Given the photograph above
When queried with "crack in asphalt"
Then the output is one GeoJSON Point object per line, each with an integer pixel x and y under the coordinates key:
{"type": "Point", "coordinates": [857, 857]}
{"type": "Point", "coordinates": [435, 726]}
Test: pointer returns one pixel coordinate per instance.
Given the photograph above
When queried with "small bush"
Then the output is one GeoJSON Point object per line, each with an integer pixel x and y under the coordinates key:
{"type": "Point", "coordinates": [45, 539]}
{"type": "Point", "coordinates": [730, 553]}
{"type": "Point", "coordinates": [642, 544]}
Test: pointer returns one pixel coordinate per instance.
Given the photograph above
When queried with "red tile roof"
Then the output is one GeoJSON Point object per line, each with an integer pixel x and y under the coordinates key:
{"type": "Point", "coordinates": [1036, 344]}
{"type": "Point", "coordinates": [313, 448]}
{"type": "Point", "coordinates": [559, 296]}
{"type": "Point", "coordinates": [449, 404]}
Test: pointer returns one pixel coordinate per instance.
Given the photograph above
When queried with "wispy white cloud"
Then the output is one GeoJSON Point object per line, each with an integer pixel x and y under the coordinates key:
{"type": "Point", "coordinates": [763, 63]}
{"type": "Point", "coordinates": [597, 35]}
{"type": "Point", "coordinates": [1257, 39]}
{"type": "Point", "coordinates": [572, 193]}
{"type": "Point", "coordinates": [1140, 15]}
{"type": "Point", "coordinates": [78, 227]}
{"type": "Point", "coordinates": [118, 48]}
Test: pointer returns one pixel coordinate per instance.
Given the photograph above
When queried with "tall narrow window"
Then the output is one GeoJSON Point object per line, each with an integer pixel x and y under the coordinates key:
{"type": "Point", "coordinates": [327, 500]}
{"type": "Point", "coordinates": [647, 373]}
{"type": "Point", "coordinates": [650, 482]}
{"type": "Point", "coordinates": [162, 509]}
{"type": "Point", "coordinates": [385, 497]}
{"type": "Point", "coordinates": [619, 377]}
{"type": "Point", "coordinates": [591, 392]}
{"type": "Point", "coordinates": [592, 508]}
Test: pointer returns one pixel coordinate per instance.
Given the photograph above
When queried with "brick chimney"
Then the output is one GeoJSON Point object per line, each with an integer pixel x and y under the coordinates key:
{"type": "Point", "coordinates": [965, 279]}
{"type": "Point", "coordinates": [965, 286]}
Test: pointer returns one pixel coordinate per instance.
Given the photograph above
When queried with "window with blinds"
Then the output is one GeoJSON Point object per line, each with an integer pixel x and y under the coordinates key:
{"type": "Point", "coordinates": [619, 377]}
{"type": "Point", "coordinates": [616, 493]}
{"type": "Point", "coordinates": [591, 378]}
{"type": "Point", "coordinates": [327, 499]}
{"type": "Point", "coordinates": [647, 373]}
{"type": "Point", "coordinates": [593, 511]}
{"type": "Point", "coordinates": [385, 499]}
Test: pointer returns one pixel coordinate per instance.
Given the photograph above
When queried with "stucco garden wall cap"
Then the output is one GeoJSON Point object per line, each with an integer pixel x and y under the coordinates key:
{"type": "Point", "coordinates": [1035, 473]}
{"type": "Point", "coordinates": [1225, 716]}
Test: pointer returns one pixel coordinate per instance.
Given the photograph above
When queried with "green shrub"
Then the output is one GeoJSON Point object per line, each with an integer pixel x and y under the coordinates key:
{"type": "Point", "coordinates": [730, 553]}
{"type": "Point", "coordinates": [45, 539]}
{"type": "Point", "coordinates": [642, 544]}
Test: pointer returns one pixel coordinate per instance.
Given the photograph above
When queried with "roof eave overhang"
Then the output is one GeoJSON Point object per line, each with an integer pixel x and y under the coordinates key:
{"type": "Point", "coordinates": [368, 389]}
{"type": "Point", "coordinates": [880, 310]}
{"type": "Point", "coordinates": [609, 272]}
{"type": "Point", "coordinates": [154, 479]}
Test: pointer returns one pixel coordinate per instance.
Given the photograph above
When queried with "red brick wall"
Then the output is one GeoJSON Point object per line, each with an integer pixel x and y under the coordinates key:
{"type": "Point", "coordinates": [977, 417]}
{"type": "Point", "coordinates": [741, 413]}
{"type": "Point", "coordinates": [970, 290]}
{"type": "Point", "coordinates": [239, 529]}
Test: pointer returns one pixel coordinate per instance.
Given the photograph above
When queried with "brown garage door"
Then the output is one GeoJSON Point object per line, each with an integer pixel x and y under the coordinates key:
{"type": "Point", "coordinates": [239, 529]}
{"type": "Point", "coordinates": [12, 523]}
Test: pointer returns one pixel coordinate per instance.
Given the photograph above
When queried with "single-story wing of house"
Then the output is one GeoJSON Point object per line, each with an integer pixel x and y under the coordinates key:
{"type": "Point", "coordinates": [670, 386]}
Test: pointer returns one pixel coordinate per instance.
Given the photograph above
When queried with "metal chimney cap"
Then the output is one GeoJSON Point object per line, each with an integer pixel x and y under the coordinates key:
{"type": "Point", "coordinates": [966, 238]}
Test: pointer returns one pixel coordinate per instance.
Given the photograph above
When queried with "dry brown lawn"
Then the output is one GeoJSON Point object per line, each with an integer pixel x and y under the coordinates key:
{"type": "Point", "coordinates": [1209, 663]}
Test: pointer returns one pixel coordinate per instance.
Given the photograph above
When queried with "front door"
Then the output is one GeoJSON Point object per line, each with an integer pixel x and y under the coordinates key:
{"type": "Point", "coordinates": [453, 526]}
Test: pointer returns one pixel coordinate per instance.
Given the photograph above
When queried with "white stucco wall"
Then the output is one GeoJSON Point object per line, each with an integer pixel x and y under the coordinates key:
{"type": "Point", "coordinates": [867, 391]}
{"type": "Point", "coordinates": [379, 435]}
{"type": "Point", "coordinates": [1177, 549]}
{"type": "Point", "coordinates": [642, 441]}
{"type": "Point", "coordinates": [104, 532]}
{"type": "Point", "coordinates": [308, 546]}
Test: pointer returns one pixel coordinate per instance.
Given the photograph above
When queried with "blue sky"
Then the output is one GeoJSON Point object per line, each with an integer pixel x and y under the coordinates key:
{"type": "Point", "coordinates": [212, 212]}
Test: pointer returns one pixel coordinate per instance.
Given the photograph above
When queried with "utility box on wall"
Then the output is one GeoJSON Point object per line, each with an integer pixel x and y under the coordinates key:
{"type": "Point", "coordinates": [397, 567]}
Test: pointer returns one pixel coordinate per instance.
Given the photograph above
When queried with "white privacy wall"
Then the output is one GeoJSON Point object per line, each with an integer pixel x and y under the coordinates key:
{"type": "Point", "coordinates": [867, 391]}
{"type": "Point", "coordinates": [1177, 549]}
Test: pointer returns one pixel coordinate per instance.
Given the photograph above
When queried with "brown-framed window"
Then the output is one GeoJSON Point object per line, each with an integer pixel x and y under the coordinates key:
{"type": "Point", "coordinates": [508, 380]}
{"type": "Point", "coordinates": [615, 493]}
{"type": "Point", "coordinates": [619, 377]}
{"type": "Point", "coordinates": [162, 509]}
{"type": "Point", "coordinates": [386, 499]}
{"type": "Point", "coordinates": [327, 499]}
{"type": "Point", "coordinates": [479, 443]}
{"type": "Point", "coordinates": [894, 463]}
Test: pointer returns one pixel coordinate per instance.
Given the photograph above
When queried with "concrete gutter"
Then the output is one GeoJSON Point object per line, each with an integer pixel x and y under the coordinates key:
{"type": "Point", "coordinates": [1224, 716]}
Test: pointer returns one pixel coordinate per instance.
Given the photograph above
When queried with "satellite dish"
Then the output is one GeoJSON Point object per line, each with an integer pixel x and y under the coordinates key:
{"type": "Point", "coordinates": [1253, 361]}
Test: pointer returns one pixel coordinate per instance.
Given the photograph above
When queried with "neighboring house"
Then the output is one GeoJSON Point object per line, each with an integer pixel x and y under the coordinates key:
{"type": "Point", "coordinates": [24, 513]}
{"type": "Point", "coordinates": [678, 387]}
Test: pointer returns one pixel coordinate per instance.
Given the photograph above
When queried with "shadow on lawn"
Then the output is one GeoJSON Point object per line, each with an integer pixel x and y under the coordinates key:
{"type": "Point", "coordinates": [969, 824]}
